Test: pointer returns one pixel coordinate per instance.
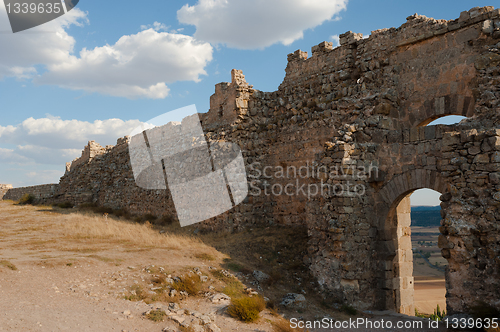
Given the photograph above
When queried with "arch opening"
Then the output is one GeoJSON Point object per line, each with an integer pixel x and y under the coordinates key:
{"type": "Point", "coordinates": [443, 119]}
{"type": "Point", "coordinates": [428, 263]}
{"type": "Point", "coordinates": [396, 248]}
{"type": "Point", "coordinates": [415, 268]}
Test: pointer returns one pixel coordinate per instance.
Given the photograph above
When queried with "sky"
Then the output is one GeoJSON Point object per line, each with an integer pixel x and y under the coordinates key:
{"type": "Point", "coordinates": [102, 69]}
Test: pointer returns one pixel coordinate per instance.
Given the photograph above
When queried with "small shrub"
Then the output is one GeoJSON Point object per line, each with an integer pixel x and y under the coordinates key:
{"type": "Point", "coordinates": [190, 284]}
{"type": "Point", "coordinates": [246, 308]}
{"type": "Point", "coordinates": [136, 294]}
{"type": "Point", "coordinates": [438, 315]}
{"type": "Point", "coordinates": [164, 220]}
{"type": "Point", "coordinates": [350, 310]}
{"type": "Point", "coordinates": [65, 205]}
{"type": "Point", "coordinates": [157, 315]}
{"type": "Point", "coordinates": [149, 217]}
{"type": "Point", "coordinates": [27, 199]}
{"type": "Point", "coordinates": [8, 265]}
{"type": "Point", "coordinates": [418, 314]}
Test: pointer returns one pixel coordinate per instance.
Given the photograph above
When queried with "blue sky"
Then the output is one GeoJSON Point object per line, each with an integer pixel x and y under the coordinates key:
{"type": "Point", "coordinates": [58, 88]}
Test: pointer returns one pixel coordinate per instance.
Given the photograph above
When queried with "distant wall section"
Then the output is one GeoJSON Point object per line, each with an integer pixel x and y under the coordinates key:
{"type": "Point", "coordinates": [43, 193]}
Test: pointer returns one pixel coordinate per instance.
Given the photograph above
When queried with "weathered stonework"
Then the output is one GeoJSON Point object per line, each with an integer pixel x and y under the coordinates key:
{"type": "Point", "coordinates": [43, 193]}
{"type": "Point", "coordinates": [4, 188]}
{"type": "Point", "coordinates": [364, 105]}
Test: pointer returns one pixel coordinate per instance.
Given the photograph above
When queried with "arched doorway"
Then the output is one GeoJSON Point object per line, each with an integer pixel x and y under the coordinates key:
{"type": "Point", "coordinates": [396, 252]}
{"type": "Point", "coordinates": [428, 263]}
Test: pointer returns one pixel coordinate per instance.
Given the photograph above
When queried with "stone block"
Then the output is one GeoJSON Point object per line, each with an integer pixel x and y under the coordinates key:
{"type": "Point", "coordinates": [488, 27]}
{"type": "Point", "coordinates": [430, 132]}
{"type": "Point", "coordinates": [481, 159]}
{"type": "Point", "coordinates": [495, 157]}
{"type": "Point", "coordinates": [451, 138]}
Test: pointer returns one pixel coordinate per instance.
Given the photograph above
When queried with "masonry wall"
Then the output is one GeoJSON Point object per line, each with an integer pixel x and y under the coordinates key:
{"type": "Point", "coordinates": [3, 189]}
{"type": "Point", "coordinates": [42, 193]}
{"type": "Point", "coordinates": [362, 105]}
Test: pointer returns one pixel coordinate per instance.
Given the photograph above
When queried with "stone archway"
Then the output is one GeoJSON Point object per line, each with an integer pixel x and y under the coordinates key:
{"type": "Point", "coordinates": [396, 255]}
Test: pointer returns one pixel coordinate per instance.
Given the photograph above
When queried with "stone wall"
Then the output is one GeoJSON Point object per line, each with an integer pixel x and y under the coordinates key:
{"type": "Point", "coordinates": [3, 189]}
{"type": "Point", "coordinates": [43, 193]}
{"type": "Point", "coordinates": [355, 118]}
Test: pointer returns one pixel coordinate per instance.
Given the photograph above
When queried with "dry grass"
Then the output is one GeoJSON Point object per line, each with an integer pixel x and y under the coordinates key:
{"type": "Point", "coordinates": [8, 265]}
{"type": "Point", "coordinates": [78, 226]}
{"type": "Point", "coordinates": [282, 325]}
{"type": "Point", "coordinates": [190, 284]}
{"type": "Point", "coordinates": [157, 315]}
{"type": "Point", "coordinates": [246, 308]}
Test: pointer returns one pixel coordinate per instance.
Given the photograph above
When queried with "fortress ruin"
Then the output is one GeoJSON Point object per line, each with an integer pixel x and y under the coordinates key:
{"type": "Point", "coordinates": [364, 105]}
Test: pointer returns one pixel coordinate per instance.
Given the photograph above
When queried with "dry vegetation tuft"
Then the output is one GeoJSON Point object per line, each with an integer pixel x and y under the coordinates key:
{"type": "Point", "coordinates": [8, 265]}
{"type": "Point", "coordinates": [246, 308]}
{"type": "Point", "coordinates": [78, 226]}
{"type": "Point", "coordinates": [283, 325]}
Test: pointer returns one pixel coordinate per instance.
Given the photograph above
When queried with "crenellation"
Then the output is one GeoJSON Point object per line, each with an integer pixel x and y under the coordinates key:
{"type": "Point", "coordinates": [322, 48]}
{"type": "Point", "coordinates": [349, 38]}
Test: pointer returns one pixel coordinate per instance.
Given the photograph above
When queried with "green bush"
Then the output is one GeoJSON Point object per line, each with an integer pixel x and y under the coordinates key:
{"type": "Point", "coordinates": [27, 199]}
{"type": "Point", "coordinates": [438, 315]}
{"type": "Point", "coordinates": [246, 308]}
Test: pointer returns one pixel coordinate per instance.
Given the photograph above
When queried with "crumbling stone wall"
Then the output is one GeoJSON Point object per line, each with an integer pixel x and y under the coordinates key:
{"type": "Point", "coordinates": [43, 193]}
{"type": "Point", "coordinates": [361, 110]}
{"type": "Point", "coordinates": [3, 189]}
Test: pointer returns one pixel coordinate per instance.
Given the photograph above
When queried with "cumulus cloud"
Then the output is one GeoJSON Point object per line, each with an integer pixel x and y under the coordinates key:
{"type": "Point", "coordinates": [54, 141]}
{"type": "Point", "coordinates": [136, 66]}
{"type": "Point", "coordinates": [259, 23]}
{"type": "Point", "coordinates": [47, 44]}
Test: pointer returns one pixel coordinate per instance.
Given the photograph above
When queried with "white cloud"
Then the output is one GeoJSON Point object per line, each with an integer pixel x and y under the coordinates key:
{"type": "Point", "coordinates": [54, 141]}
{"type": "Point", "coordinates": [46, 44]}
{"type": "Point", "coordinates": [156, 26]}
{"type": "Point", "coordinates": [258, 23]}
{"type": "Point", "coordinates": [136, 66]}
{"type": "Point", "coordinates": [336, 40]}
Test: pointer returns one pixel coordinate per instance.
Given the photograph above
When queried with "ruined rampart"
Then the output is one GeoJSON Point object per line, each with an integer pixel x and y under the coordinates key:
{"type": "Point", "coordinates": [342, 144]}
{"type": "Point", "coordinates": [44, 193]}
